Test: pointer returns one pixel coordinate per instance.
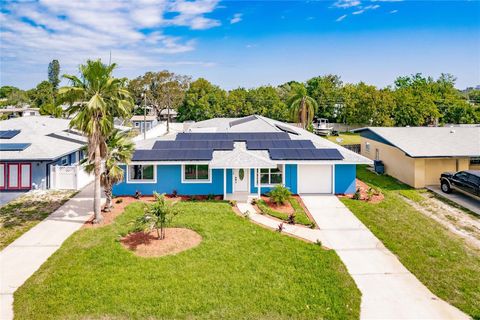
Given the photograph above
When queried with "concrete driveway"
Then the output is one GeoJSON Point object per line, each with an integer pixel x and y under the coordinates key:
{"type": "Point", "coordinates": [389, 290]}
{"type": "Point", "coordinates": [459, 198]}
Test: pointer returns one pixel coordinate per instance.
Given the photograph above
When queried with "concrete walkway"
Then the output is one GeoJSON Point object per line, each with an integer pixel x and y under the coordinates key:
{"type": "Point", "coordinates": [24, 256]}
{"type": "Point", "coordinates": [465, 201]}
{"type": "Point", "coordinates": [389, 290]}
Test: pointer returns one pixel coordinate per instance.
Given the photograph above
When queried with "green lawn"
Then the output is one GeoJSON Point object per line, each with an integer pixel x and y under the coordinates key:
{"type": "Point", "coordinates": [347, 138]}
{"type": "Point", "coordinates": [441, 260]}
{"type": "Point", "coordinates": [22, 214]}
{"type": "Point", "coordinates": [239, 271]}
{"type": "Point", "coordinates": [300, 214]}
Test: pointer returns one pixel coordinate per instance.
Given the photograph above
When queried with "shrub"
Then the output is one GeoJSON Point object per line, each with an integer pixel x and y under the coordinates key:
{"type": "Point", "coordinates": [279, 194]}
{"type": "Point", "coordinates": [120, 200]}
{"type": "Point", "coordinates": [254, 201]}
{"type": "Point", "coordinates": [210, 197]}
{"type": "Point", "coordinates": [280, 227]}
{"type": "Point", "coordinates": [138, 194]}
{"type": "Point", "coordinates": [356, 195]}
{"type": "Point", "coordinates": [233, 203]}
{"type": "Point", "coordinates": [291, 218]}
{"type": "Point", "coordinates": [174, 193]}
{"type": "Point", "coordinates": [318, 242]}
{"type": "Point", "coordinates": [158, 215]}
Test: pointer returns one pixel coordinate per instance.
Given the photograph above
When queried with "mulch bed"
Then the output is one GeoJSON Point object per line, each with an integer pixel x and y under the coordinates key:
{"type": "Point", "coordinates": [283, 208]}
{"type": "Point", "coordinates": [376, 198]}
{"type": "Point", "coordinates": [148, 245]}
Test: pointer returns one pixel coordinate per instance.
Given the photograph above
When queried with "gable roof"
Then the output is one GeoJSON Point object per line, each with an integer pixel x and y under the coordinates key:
{"type": "Point", "coordinates": [430, 142]}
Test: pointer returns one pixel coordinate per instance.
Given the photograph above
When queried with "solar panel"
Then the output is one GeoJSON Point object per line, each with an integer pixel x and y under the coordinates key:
{"type": "Point", "coordinates": [172, 155]}
{"type": "Point", "coordinates": [8, 134]}
{"type": "Point", "coordinates": [279, 144]}
{"type": "Point", "coordinates": [201, 144]}
{"type": "Point", "coordinates": [236, 136]}
{"type": "Point", "coordinates": [286, 129]}
{"type": "Point", "coordinates": [305, 154]}
{"type": "Point", "coordinates": [14, 146]}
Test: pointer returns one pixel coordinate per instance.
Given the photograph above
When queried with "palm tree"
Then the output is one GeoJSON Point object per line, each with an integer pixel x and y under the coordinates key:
{"type": "Point", "coordinates": [95, 99]}
{"type": "Point", "coordinates": [302, 107]}
{"type": "Point", "coordinates": [119, 150]}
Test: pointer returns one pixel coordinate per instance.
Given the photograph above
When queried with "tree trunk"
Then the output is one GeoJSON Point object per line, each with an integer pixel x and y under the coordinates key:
{"type": "Point", "coordinates": [97, 196]}
{"type": "Point", "coordinates": [168, 119]}
{"type": "Point", "coordinates": [108, 194]}
{"type": "Point", "coordinates": [303, 113]}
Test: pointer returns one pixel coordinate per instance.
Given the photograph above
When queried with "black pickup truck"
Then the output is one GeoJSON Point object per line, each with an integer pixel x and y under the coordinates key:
{"type": "Point", "coordinates": [467, 182]}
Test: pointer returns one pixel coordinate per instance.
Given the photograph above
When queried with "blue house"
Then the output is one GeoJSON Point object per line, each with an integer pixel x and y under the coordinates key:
{"type": "Point", "coordinates": [237, 158]}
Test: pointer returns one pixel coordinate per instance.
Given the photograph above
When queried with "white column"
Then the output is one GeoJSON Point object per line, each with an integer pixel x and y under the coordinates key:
{"type": "Point", "coordinates": [224, 183]}
{"type": "Point", "coordinates": [258, 183]}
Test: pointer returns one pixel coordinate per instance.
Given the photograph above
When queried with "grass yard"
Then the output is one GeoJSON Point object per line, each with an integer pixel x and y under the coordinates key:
{"type": "Point", "coordinates": [22, 214]}
{"type": "Point", "coordinates": [239, 271]}
{"type": "Point", "coordinates": [438, 258]}
{"type": "Point", "coordinates": [347, 138]}
{"type": "Point", "coordinates": [300, 214]}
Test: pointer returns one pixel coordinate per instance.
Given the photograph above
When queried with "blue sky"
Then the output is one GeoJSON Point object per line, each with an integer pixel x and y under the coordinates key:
{"type": "Point", "coordinates": [244, 43]}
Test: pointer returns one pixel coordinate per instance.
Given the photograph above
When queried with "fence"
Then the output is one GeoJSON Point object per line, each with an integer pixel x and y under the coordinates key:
{"type": "Point", "coordinates": [352, 147]}
{"type": "Point", "coordinates": [69, 177]}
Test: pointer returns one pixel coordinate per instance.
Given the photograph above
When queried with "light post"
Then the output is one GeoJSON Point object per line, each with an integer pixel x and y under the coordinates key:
{"type": "Point", "coordinates": [145, 88]}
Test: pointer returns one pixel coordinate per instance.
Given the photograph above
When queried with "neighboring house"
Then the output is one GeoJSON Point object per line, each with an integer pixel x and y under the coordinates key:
{"type": "Point", "coordinates": [164, 114]}
{"type": "Point", "coordinates": [233, 157]}
{"type": "Point", "coordinates": [30, 146]}
{"type": "Point", "coordinates": [13, 112]}
{"type": "Point", "coordinates": [144, 122]}
{"type": "Point", "coordinates": [418, 155]}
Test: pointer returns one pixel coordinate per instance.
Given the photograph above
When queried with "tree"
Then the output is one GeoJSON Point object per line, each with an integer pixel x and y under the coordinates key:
{"type": "Point", "coordinates": [14, 96]}
{"type": "Point", "coordinates": [52, 110]}
{"type": "Point", "coordinates": [266, 101]}
{"type": "Point", "coordinates": [327, 92]}
{"type": "Point", "coordinates": [119, 151]}
{"type": "Point", "coordinates": [95, 99]}
{"type": "Point", "coordinates": [6, 90]}
{"type": "Point", "coordinates": [238, 104]}
{"type": "Point", "coordinates": [158, 215]}
{"type": "Point", "coordinates": [302, 106]}
{"type": "Point", "coordinates": [164, 90]}
{"type": "Point", "coordinates": [53, 73]}
{"type": "Point", "coordinates": [42, 94]}
{"type": "Point", "coordinates": [203, 100]}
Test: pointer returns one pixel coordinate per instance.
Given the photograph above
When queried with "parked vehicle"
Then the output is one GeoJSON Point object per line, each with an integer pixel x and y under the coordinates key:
{"type": "Point", "coordinates": [467, 182]}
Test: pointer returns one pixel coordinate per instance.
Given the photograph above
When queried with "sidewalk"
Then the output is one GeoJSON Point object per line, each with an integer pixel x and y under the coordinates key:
{"type": "Point", "coordinates": [24, 256]}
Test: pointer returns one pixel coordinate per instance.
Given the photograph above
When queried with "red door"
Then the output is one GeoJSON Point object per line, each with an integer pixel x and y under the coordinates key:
{"type": "Point", "coordinates": [19, 176]}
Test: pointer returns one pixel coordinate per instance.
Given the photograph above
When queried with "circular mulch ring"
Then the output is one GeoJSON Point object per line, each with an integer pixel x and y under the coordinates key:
{"type": "Point", "coordinates": [148, 245]}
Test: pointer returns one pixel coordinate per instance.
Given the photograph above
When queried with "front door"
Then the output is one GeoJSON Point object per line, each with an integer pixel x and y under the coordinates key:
{"type": "Point", "coordinates": [240, 180]}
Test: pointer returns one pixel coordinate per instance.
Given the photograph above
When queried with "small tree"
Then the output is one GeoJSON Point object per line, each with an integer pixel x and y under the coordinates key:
{"type": "Point", "coordinates": [158, 215]}
{"type": "Point", "coordinates": [279, 194]}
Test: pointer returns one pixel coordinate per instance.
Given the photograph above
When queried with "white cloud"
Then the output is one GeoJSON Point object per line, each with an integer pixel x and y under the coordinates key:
{"type": "Point", "coordinates": [237, 17]}
{"type": "Point", "coordinates": [393, 11]}
{"type": "Point", "coordinates": [346, 3]}
{"type": "Point", "coordinates": [363, 9]}
{"type": "Point", "coordinates": [73, 31]}
{"type": "Point", "coordinates": [341, 18]}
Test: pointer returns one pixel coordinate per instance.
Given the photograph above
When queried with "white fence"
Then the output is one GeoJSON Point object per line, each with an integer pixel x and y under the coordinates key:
{"type": "Point", "coordinates": [69, 177]}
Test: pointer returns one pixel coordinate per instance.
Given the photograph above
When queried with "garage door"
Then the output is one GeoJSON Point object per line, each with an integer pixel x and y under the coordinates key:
{"type": "Point", "coordinates": [314, 179]}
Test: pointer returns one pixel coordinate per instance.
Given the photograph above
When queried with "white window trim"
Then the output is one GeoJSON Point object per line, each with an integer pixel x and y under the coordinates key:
{"type": "Point", "coordinates": [209, 180]}
{"type": "Point", "coordinates": [62, 163]}
{"type": "Point", "coordinates": [142, 181]}
{"type": "Point", "coordinates": [367, 147]}
{"type": "Point", "coordinates": [270, 184]}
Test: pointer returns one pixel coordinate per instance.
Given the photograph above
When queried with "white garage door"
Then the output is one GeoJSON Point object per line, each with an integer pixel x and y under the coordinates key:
{"type": "Point", "coordinates": [314, 179]}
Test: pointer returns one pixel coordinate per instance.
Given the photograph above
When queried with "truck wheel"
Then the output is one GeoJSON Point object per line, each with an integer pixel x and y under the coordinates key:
{"type": "Point", "coordinates": [446, 187]}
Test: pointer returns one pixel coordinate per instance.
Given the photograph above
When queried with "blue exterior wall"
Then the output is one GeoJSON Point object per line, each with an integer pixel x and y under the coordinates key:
{"type": "Point", "coordinates": [345, 175]}
{"type": "Point", "coordinates": [229, 180]}
{"type": "Point", "coordinates": [169, 178]}
{"type": "Point", "coordinates": [290, 180]}
{"type": "Point", "coordinates": [367, 133]}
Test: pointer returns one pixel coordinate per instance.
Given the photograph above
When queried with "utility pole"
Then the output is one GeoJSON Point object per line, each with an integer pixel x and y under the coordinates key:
{"type": "Point", "coordinates": [144, 114]}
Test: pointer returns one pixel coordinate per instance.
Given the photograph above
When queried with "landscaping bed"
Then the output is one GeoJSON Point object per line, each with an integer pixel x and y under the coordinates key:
{"type": "Point", "coordinates": [440, 259]}
{"type": "Point", "coordinates": [22, 214]}
{"type": "Point", "coordinates": [293, 206]}
{"type": "Point", "coordinates": [238, 271]}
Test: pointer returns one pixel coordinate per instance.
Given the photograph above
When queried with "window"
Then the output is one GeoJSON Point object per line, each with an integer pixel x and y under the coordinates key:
{"type": "Point", "coordinates": [270, 176]}
{"type": "Point", "coordinates": [463, 176]}
{"type": "Point", "coordinates": [141, 173]}
{"type": "Point", "coordinates": [474, 179]}
{"type": "Point", "coordinates": [64, 161]}
{"type": "Point", "coordinates": [367, 146]}
{"type": "Point", "coordinates": [475, 161]}
{"type": "Point", "coordinates": [196, 173]}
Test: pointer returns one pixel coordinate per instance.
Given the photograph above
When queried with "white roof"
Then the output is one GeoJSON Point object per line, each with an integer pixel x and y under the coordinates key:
{"type": "Point", "coordinates": [49, 138]}
{"type": "Point", "coordinates": [240, 157]}
{"type": "Point", "coordinates": [433, 141]}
